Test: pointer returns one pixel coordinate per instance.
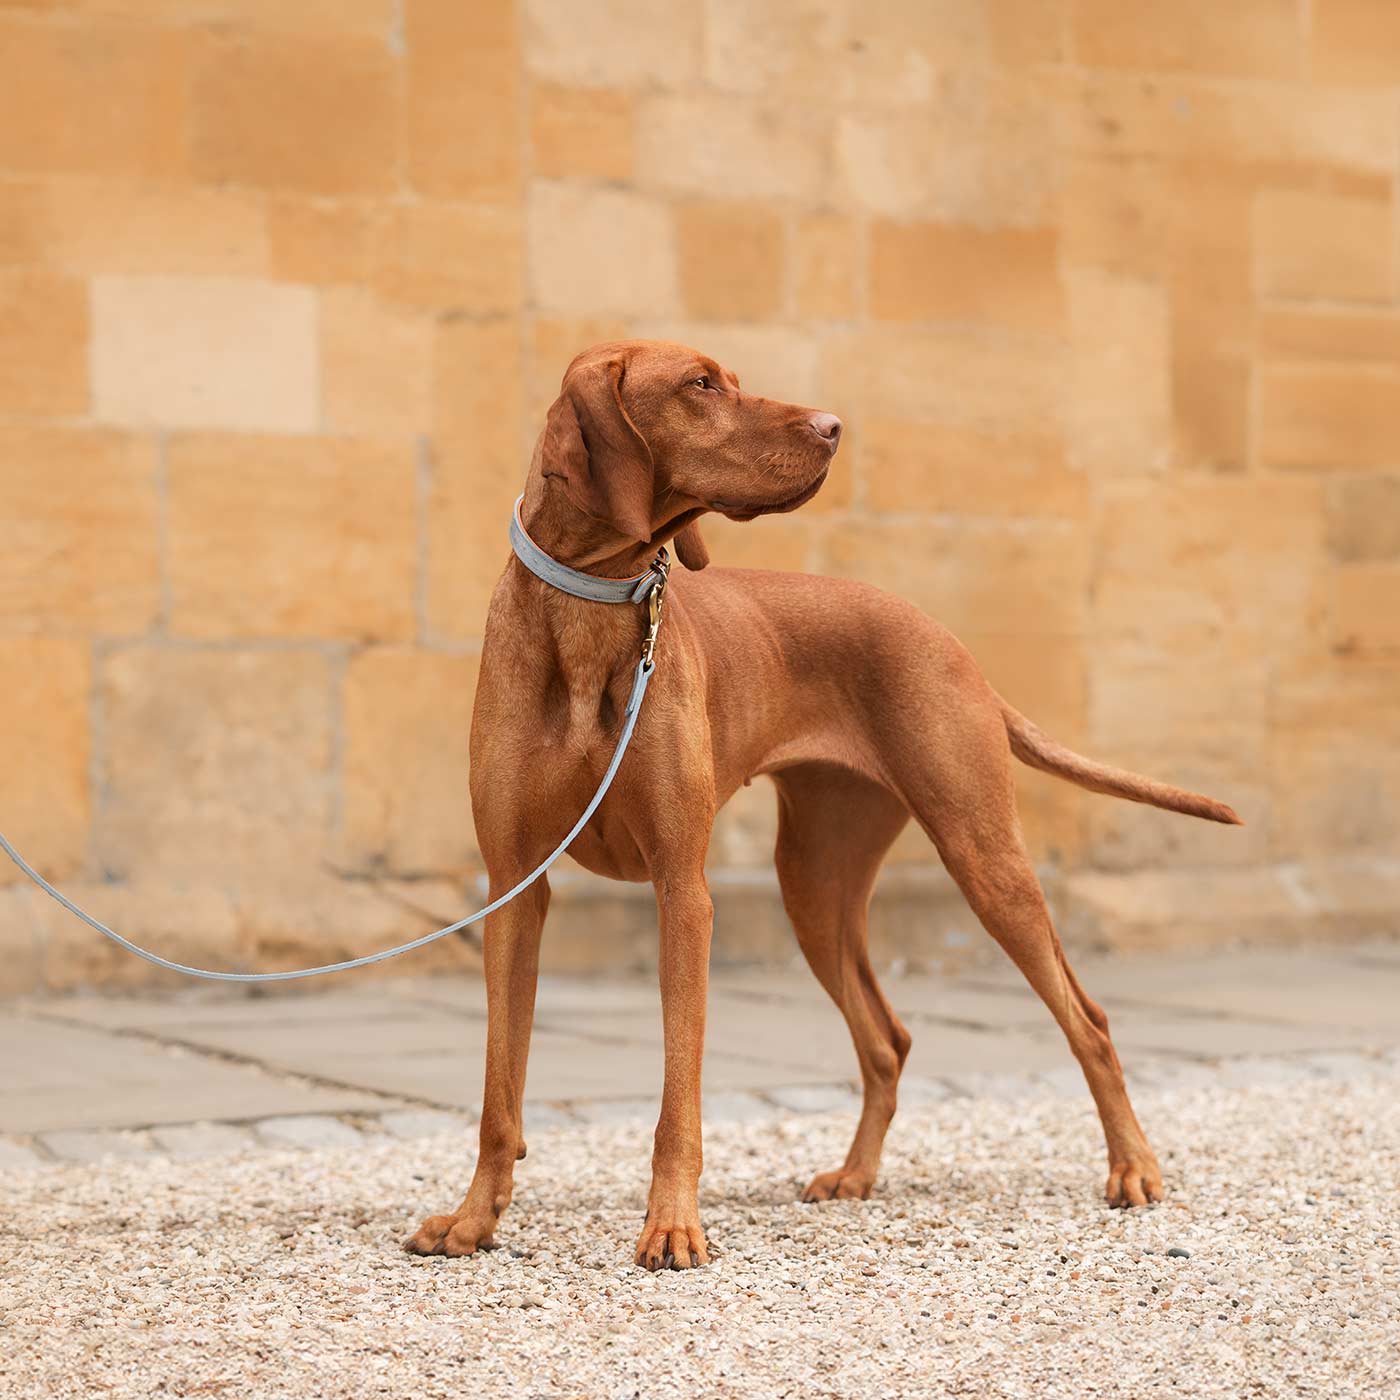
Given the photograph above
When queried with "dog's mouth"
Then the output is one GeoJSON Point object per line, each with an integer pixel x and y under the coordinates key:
{"type": "Point", "coordinates": [747, 510]}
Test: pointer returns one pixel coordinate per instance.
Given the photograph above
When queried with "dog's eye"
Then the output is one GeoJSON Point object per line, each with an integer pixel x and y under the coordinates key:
{"type": "Point", "coordinates": [703, 382]}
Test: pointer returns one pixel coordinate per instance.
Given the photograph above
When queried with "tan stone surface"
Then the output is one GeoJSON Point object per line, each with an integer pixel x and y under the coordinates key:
{"type": "Point", "coordinates": [44, 693]}
{"type": "Point", "coordinates": [376, 364]}
{"type": "Point", "coordinates": [1316, 245]}
{"type": "Point", "coordinates": [1366, 607]}
{"type": "Point", "coordinates": [462, 122]}
{"type": "Point", "coordinates": [452, 258]}
{"type": "Point", "coordinates": [731, 260]}
{"type": "Point", "coordinates": [79, 535]}
{"type": "Point", "coordinates": [597, 249]}
{"type": "Point", "coordinates": [43, 353]}
{"type": "Point", "coordinates": [293, 114]}
{"type": "Point", "coordinates": [96, 97]}
{"type": "Point", "coordinates": [407, 720]}
{"type": "Point", "coordinates": [1105, 294]}
{"type": "Point", "coordinates": [1329, 417]}
{"type": "Point", "coordinates": [217, 764]}
{"type": "Point", "coordinates": [204, 352]}
{"type": "Point", "coordinates": [1356, 41]}
{"type": "Point", "coordinates": [581, 131]}
{"type": "Point", "coordinates": [981, 277]}
{"type": "Point", "coordinates": [292, 537]}
{"type": "Point", "coordinates": [1247, 39]}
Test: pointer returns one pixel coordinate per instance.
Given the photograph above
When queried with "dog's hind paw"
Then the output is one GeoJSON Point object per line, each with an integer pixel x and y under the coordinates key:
{"type": "Point", "coordinates": [840, 1185]}
{"type": "Point", "coordinates": [451, 1235]}
{"type": "Point", "coordinates": [1134, 1182]}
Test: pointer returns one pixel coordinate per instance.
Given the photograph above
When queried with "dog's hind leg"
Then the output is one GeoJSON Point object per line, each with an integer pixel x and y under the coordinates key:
{"type": "Point", "coordinates": [834, 828]}
{"type": "Point", "coordinates": [962, 794]}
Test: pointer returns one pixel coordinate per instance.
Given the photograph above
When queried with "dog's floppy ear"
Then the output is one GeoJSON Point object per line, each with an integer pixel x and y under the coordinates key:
{"type": "Point", "coordinates": [591, 442]}
{"type": "Point", "coordinates": [690, 546]}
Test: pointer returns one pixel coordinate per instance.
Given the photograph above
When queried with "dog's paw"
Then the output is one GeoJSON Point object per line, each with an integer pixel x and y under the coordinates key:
{"type": "Point", "coordinates": [1136, 1181]}
{"type": "Point", "coordinates": [667, 1243]}
{"type": "Point", "coordinates": [839, 1185]}
{"type": "Point", "coordinates": [452, 1235]}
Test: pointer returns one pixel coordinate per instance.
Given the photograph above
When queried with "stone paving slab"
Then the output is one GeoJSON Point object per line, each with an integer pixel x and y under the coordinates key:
{"type": "Point", "coordinates": [62, 1076]}
{"type": "Point", "coordinates": [405, 1056]}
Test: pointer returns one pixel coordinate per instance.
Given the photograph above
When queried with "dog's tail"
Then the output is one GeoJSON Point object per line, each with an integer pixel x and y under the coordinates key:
{"type": "Point", "coordinates": [1038, 750]}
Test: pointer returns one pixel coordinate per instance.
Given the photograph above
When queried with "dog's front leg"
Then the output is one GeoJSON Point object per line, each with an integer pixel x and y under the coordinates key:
{"type": "Point", "coordinates": [511, 956]}
{"type": "Point", "coordinates": [672, 1236]}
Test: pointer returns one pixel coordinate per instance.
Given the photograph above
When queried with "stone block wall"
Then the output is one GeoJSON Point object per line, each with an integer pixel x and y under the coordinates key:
{"type": "Point", "coordinates": [1105, 290]}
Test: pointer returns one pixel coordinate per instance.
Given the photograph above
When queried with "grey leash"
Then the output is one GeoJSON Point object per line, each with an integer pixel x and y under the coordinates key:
{"type": "Point", "coordinates": [626, 590]}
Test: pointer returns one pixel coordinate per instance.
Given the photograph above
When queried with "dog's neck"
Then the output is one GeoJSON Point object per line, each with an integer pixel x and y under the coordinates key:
{"type": "Point", "coordinates": [591, 647]}
{"type": "Point", "coordinates": [572, 538]}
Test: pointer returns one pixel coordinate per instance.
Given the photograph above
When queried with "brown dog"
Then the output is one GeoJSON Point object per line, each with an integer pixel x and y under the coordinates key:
{"type": "Point", "coordinates": [862, 710]}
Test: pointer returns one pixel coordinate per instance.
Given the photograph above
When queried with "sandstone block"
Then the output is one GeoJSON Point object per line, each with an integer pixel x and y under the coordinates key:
{"type": "Point", "coordinates": [1210, 410]}
{"type": "Point", "coordinates": [885, 56]}
{"type": "Point", "coordinates": [131, 226]}
{"type": "Point", "coordinates": [1025, 32]}
{"type": "Point", "coordinates": [406, 806]}
{"type": "Point", "coordinates": [1317, 245]}
{"type": "Point", "coordinates": [1113, 214]}
{"type": "Point", "coordinates": [942, 469]}
{"type": "Point", "coordinates": [217, 762]}
{"type": "Point", "coordinates": [731, 260]}
{"type": "Point", "coordinates": [79, 531]}
{"type": "Point", "coordinates": [1363, 517]}
{"type": "Point", "coordinates": [468, 519]}
{"type": "Point", "coordinates": [1308, 334]}
{"type": "Point", "coordinates": [1355, 42]}
{"type": "Point", "coordinates": [478, 395]}
{"type": "Point", "coordinates": [988, 577]}
{"type": "Point", "coordinates": [1007, 277]}
{"type": "Point", "coordinates": [827, 267]}
{"type": "Point", "coordinates": [292, 537]}
{"type": "Point", "coordinates": [1129, 115]}
{"type": "Point", "coordinates": [311, 240]}
{"type": "Point", "coordinates": [208, 352]}
{"type": "Point", "coordinates": [462, 129]}
{"type": "Point", "coordinates": [24, 230]}
{"type": "Point", "coordinates": [1335, 760]}
{"type": "Point", "coordinates": [44, 690]}
{"type": "Point", "coordinates": [1329, 417]}
{"type": "Point", "coordinates": [1197, 559]}
{"type": "Point", "coordinates": [616, 43]}
{"type": "Point", "coordinates": [121, 91]}
{"type": "Point", "coordinates": [581, 132]}
{"type": "Point", "coordinates": [983, 153]}
{"type": "Point", "coordinates": [1251, 39]}
{"type": "Point", "coordinates": [337, 96]}
{"type": "Point", "coordinates": [1005, 383]}
{"type": "Point", "coordinates": [1366, 607]}
{"type": "Point", "coordinates": [1119, 408]}
{"type": "Point", "coordinates": [600, 251]}
{"type": "Point", "coordinates": [368, 19]}
{"type": "Point", "coordinates": [748, 149]}
{"type": "Point", "coordinates": [44, 352]}
{"type": "Point", "coordinates": [452, 258]}
{"type": "Point", "coordinates": [376, 365]}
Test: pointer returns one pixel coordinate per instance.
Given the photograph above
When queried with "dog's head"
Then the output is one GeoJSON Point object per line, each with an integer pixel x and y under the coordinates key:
{"type": "Point", "coordinates": [646, 436]}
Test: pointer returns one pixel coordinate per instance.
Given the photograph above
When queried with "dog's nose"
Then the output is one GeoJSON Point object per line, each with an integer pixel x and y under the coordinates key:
{"type": "Point", "coordinates": [827, 426]}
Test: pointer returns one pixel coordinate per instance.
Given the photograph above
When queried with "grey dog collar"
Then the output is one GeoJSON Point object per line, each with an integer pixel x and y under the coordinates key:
{"type": "Point", "coordinates": [581, 585]}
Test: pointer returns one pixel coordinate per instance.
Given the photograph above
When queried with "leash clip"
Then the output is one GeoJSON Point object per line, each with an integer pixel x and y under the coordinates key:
{"type": "Point", "coordinates": [656, 596]}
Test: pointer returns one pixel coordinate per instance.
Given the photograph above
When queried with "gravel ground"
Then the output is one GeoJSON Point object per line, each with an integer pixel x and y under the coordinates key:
{"type": "Point", "coordinates": [985, 1266]}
